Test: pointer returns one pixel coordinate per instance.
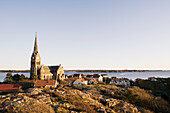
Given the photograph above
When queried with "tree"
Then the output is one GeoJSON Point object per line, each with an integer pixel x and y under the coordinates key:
{"type": "Point", "coordinates": [33, 76]}
{"type": "Point", "coordinates": [8, 77]}
{"type": "Point", "coordinates": [16, 77]}
{"type": "Point", "coordinates": [22, 76]}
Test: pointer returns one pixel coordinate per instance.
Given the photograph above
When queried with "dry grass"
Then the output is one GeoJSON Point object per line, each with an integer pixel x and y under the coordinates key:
{"type": "Point", "coordinates": [80, 104]}
{"type": "Point", "coordinates": [141, 98]}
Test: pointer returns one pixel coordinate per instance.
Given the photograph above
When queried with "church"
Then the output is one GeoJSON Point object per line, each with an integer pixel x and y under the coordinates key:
{"type": "Point", "coordinates": [44, 72]}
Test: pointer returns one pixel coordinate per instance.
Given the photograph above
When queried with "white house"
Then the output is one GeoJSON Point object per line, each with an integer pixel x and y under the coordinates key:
{"type": "Point", "coordinates": [125, 82]}
{"type": "Point", "coordinates": [98, 77]}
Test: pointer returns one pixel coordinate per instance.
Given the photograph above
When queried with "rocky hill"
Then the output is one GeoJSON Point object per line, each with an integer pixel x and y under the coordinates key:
{"type": "Point", "coordinates": [85, 99]}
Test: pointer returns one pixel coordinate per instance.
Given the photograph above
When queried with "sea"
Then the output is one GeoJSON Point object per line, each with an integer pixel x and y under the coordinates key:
{"type": "Point", "coordinates": [129, 75]}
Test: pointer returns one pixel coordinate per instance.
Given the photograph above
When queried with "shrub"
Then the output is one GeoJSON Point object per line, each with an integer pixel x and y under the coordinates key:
{"type": "Point", "coordinates": [141, 98]}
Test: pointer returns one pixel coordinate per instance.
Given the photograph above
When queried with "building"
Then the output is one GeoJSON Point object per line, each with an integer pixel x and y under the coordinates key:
{"type": "Point", "coordinates": [9, 87]}
{"type": "Point", "coordinates": [77, 75]}
{"type": "Point", "coordinates": [67, 76]}
{"type": "Point", "coordinates": [45, 84]}
{"type": "Point", "coordinates": [105, 77]}
{"type": "Point", "coordinates": [122, 81]}
{"type": "Point", "coordinates": [44, 72]}
{"type": "Point", "coordinates": [80, 81]}
{"type": "Point", "coordinates": [97, 77]}
{"type": "Point", "coordinates": [92, 81]}
{"type": "Point", "coordinates": [52, 72]}
{"type": "Point", "coordinates": [152, 79]}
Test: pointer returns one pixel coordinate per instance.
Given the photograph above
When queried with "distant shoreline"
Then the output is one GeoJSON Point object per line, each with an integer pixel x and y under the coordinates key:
{"type": "Point", "coordinates": [13, 71]}
{"type": "Point", "coordinates": [101, 71]}
{"type": "Point", "coordinates": [111, 71]}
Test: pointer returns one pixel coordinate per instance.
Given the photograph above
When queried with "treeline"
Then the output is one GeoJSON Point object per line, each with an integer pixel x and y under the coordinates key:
{"type": "Point", "coordinates": [19, 77]}
{"type": "Point", "coordinates": [16, 77]}
{"type": "Point", "coordinates": [108, 71]}
{"type": "Point", "coordinates": [13, 71]}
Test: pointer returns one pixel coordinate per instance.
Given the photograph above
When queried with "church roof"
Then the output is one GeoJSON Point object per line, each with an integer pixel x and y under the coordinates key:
{"type": "Point", "coordinates": [35, 52]}
{"type": "Point", "coordinates": [36, 45]}
{"type": "Point", "coordinates": [49, 69]}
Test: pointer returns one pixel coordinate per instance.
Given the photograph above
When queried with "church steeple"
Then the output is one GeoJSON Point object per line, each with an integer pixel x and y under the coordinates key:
{"type": "Point", "coordinates": [35, 59]}
{"type": "Point", "coordinates": [36, 45]}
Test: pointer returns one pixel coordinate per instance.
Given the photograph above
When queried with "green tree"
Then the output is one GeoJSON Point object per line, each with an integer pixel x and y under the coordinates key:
{"type": "Point", "coordinates": [8, 77]}
{"type": "Point", "coordinates": [22, 76]}
{"type": "Point", "coordinates": [33, 76]}
{"type": "Point", "coordinates": [16, 77]}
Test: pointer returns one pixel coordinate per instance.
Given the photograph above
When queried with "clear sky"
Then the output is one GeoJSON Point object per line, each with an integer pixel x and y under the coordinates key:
{"type": "Point", "coordinates": [86, 34]}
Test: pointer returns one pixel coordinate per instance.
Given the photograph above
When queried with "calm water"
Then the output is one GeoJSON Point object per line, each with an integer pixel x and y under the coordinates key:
{"type": "Point", "coordinates": [130, 75]}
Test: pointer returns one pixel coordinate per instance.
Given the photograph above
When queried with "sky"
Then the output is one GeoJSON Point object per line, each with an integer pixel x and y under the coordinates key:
{"type": "Point", "coordinates": [86, 34]}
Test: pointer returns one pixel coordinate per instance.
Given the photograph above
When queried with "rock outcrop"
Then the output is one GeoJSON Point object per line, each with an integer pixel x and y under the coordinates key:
{"type": "Point", "coordinates": [66, 100]}
{"type": "Point", "coordinates": [20, 103]}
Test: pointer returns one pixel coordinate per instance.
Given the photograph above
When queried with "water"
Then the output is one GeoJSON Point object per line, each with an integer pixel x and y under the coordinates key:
{"type": "Point", "coordinates": [129, 75]}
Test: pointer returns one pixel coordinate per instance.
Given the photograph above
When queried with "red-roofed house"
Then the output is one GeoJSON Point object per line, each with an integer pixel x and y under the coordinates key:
{"type": "Point", "coordinates": [80, 81]}
{"type": "Point", "coordinates": [92, 81]}
{"type": "Point", "coordinates": [45, 83]}
{"type": "Point", "coordinates": [152, 79]}
{"type": "Point", "coordinates": [9, 87]}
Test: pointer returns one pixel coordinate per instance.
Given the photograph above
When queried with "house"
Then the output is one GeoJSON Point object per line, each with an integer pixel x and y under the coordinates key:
{"type": "Point", "coordinates": [45, 83]}
{"type": "Point", "coordinates": [122, 81]}
{"type": "Point", "coordinates": [105, 77]}
{"type": "Point", "coordinates": [89, 76]}
{"type": "Point", "coordinates": [80, 81]}
{"type": "Point", "coordinates": [83, 76]}
{"type": "Point", "coordinates": [70, 76]}
{"type": "Point", "coordinates": [67, 76]}
{"type": "Point", "coordinates": [9, 87]}
{"type": "Point", "coordinates": [152, 79]}
{"type": "Point", "coordinates": [77, 75]}
{"type": "Point", "coordinates": [97, 77]}
{"type": "Point", "coordinates": [92, 81]}
{"type": "Point", "coordinates": [113, 78]}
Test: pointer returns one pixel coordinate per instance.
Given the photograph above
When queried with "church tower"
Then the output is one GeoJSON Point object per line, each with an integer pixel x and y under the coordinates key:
{"type": "Point", "coordinates": [35, 59]}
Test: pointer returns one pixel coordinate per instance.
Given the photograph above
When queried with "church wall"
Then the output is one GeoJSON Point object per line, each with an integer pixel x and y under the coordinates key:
{"type": "Point", "coordinates": [60, 73]}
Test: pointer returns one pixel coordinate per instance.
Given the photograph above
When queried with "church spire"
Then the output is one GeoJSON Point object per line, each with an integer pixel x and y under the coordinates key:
{"type": "Point", "coordinates": [36, 45]}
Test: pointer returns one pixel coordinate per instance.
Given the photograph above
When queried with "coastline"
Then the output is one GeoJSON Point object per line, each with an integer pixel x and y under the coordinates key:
{"type": "Point", "coordinates": [13, 71]}
{"type": "Point", "coordinates": [100, 71]}
{"type": "Point", "coordinates": [112, 71]}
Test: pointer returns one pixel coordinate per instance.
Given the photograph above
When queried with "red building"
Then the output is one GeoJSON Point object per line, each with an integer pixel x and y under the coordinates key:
{"type": "Point", "coordinates": [9, 87]}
